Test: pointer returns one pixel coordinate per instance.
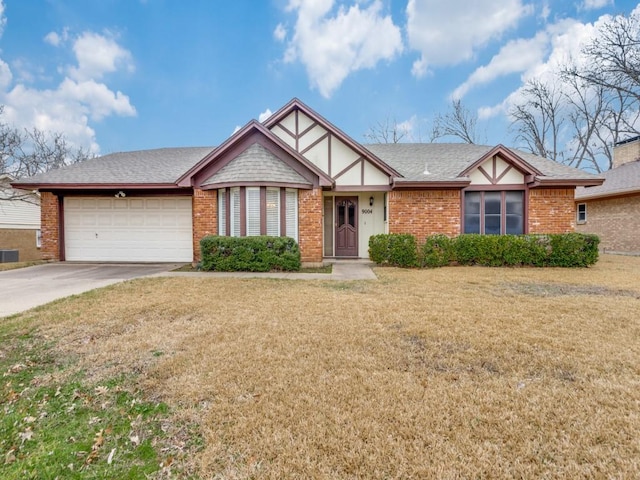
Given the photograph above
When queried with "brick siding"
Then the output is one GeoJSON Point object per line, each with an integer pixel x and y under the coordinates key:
{"type": "Point", "coordinates": [49, 226]}
{"type": "Point", "coordinates": [310, 225]}
{"type": "Point", "coordinates": [625, 153]}
{"type": "Point", "coordinates": [615, 221]}
{"type": "Point", "coordinates": [552, 210]}
{"type": "Point", "coordinates": [424, 212]}
{"type": "Point", "coordinates": [22, 240]}
{"type": "Point", "coordinates": [205, 217]}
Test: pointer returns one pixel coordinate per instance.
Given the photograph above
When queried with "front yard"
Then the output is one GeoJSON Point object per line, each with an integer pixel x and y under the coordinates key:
{"type": "Point", "coordinates": [461, 372]}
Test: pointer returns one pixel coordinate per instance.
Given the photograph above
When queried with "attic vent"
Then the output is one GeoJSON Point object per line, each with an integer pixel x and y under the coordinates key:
{"type": "Point", "coordinates": [426, 170]}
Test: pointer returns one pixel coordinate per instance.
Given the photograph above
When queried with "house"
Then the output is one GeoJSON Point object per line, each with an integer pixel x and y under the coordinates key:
{"type": "Point", "coordinates": [611, 209]}
{"type": "Point", "coordinates": [296, 174]}
{"type": "Point", "coordinates": [19, 221]}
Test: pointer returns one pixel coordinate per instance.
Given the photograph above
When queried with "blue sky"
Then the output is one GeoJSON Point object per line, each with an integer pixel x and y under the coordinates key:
{"type": "Point", "coordinates": [117, 75]}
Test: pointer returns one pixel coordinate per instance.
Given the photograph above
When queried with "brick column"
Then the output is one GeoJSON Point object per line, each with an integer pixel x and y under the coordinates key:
{"type": "Point", "coordinates": [50, 226]}
{"type": "Point", "coordinates": [552, 210]}
{"type": "Point", "coordinates": [205, 217]}
{"type": "Point", "coordinates": [424, 212]}
{"type": "Point", "coordinates": [310, 225]}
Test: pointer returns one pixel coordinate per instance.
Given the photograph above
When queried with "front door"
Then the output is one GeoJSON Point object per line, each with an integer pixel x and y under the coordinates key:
{"type": "Point", "coordinates": [346, 226]}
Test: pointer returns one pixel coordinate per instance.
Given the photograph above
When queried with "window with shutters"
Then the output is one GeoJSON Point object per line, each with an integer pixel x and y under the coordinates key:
{"type": "Point", "coordinates": [261, 209]}
{"type": "Point", "coordinates": [222, 211]}
{"type": "Point", "coordinates": [253, 211]}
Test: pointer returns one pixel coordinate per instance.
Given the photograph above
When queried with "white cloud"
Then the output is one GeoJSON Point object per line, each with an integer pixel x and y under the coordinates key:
{"type": "Point", "coordinates": [447, 33]}
{"type": "Point", "coordinates": [264, 115]}
{"type": "Point", "coordinates": [280, 33]}
{"type": "Point", "coordinates": [595, 4]}
{"type": "Point", "coordinates": [331, 45]}
{"type": "Point", "coordinates": [81, 97]}
{"type": "Point", "coordinates": [516, 56]}
{"type": "Point", "coordinates": [98, 54]}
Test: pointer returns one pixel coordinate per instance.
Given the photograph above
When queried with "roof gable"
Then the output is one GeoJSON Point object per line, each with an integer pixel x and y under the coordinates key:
{"type": "Point", "coordinates": [505, 154]}
{"type": "Point", "coordinates": [256, 165]}
{"type": "Point", "coordinates": [272, 146]}
{"type": "Point", "coordinates": [346, 161]}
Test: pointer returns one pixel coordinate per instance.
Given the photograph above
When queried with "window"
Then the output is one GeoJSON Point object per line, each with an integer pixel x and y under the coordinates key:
{"type": "Point", "coordinates": [494, 213]}
{"type": "Point", "coordinates": [222, 211]}
{"type": "Point", "coordinates": [255, 211]}
{"type": "Point", "coordinates": [38, 238]}
{"type": "Point", "coordinates": [582, 213]}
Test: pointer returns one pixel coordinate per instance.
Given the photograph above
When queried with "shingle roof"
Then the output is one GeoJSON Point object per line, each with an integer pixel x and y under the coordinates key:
{"type": "Point", "coordinates": [256, 164]}
{"type": "Point", "coordinates": [445, 161]}
{"type": "Point", "coordinates": [163, 165]}
{"type": "Point", "coordinates": [618, 181]}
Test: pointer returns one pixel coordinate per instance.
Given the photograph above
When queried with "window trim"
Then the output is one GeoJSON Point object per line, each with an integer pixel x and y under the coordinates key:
{"type": "Point", "coordinates": [581, 221]}
{"type": "Point", "coordinates": [242, 221]}
{"type": "Point", "coordinates": [503, 207]}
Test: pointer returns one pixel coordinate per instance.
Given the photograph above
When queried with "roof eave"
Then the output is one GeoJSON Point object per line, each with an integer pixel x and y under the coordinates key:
{"type": "Point", "coordinates": [429, 185]}
{"type": "Point", "coordinates": [609, 194]}
{"type": "Point", "coordinates": [213, 186]}
{"type": "Point", "coordinates": [97, 186]}
{"type": "Point", "coordinates": [566, 182]}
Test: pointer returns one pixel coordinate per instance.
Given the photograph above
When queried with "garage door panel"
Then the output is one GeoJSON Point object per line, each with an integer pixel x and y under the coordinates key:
{"type": "Point", "coordinates": [128, 229]}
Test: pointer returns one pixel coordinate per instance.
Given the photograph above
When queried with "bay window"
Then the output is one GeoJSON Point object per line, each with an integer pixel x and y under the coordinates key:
{"type": "Point", "coordinates": [251, 211]}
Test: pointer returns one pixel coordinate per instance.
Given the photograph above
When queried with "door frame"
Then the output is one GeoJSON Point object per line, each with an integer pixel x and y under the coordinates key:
{"type": "Point", "coordinates": [336, 200]}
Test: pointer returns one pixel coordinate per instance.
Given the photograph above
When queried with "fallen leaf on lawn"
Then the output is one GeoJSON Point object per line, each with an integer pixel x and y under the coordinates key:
{"type": "Point", "coordinates": [26, 435]}
{"type": "Point", "coordinates": [110, 457]}
{"type": "Point", "coordinates": [94, 420]}
{"type": "Point", "coordinates": [57, 394]}
{"type": "Point", "coordinates": [101, 390]}
{"type": "Point", "coordinates": [135, 439]}
{"type": "Point", "coordinates": [10, 457]}
{"type": "Point", "coordinates": [30, 419]}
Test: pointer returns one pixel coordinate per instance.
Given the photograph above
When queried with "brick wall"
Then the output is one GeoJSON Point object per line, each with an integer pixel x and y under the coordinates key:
{"type": "Point", "coordinates": [615, 221]}
{"type": "Point", "coordinates": [625, 153]}
{"type": "Point", "coordinates": [424, 212]}
{"type": "Point", "coordinates": [205, 217]}
{"type": "Point", "coordinates": [22, 240]}
{"type": "Point", "coordinates": [310, 225]}
{"type": "Point", "coordinates": [552, 210]}
{"type": "Point", "coordinates": [49, 223]}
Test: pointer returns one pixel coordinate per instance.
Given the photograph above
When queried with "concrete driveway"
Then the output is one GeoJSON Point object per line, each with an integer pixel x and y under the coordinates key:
{"type": "Point", "coordinates": [25, 288]}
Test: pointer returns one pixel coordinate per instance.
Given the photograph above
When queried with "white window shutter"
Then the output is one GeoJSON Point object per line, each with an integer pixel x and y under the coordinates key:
{"type": "Point", "coordinates": [235, 212]}
{"type": "Point", "coordinates": [222, 211]}
{"type": "Point", "coordinates": [292, 213]}
{"type": "Point", "coordinates": [273, 212]}
{"type": "Point", "coordinates": [253, 211]}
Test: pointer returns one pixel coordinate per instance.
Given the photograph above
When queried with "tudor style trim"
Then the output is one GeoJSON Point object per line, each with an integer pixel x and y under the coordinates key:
{"type": "Point", "coordinates": [508, 155]}
{"type": "Point", "coordinates": [296, 104]}
{"type": "Point", "coordinates": [252, 132]}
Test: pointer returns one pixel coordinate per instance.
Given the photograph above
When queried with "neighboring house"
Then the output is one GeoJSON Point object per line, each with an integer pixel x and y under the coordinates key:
{"type": "Point", "coordinates": [19, 221]}
{"type": "Point", "coordinates": [611, 209]}
{"type": "Point", "coordinates": [296, 174]}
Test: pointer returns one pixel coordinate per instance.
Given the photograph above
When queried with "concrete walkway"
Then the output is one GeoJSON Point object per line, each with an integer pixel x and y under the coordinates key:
{"type": "Point", "coordinates": [342, 270]}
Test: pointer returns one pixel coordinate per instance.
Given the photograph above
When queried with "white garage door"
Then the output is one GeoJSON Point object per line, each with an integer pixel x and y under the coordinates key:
{"type": "Point", "coordinates": [154, 229]}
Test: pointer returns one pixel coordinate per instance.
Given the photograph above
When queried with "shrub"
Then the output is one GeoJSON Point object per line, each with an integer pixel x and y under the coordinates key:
{"type": "Point", "coordinates": [249, 254]}
{"type": "Point", "coordinates": [558, 250]}
{"type": "Point", "coordinates": [437, 251]}
{"type": "Point", "coordinates": [395, 249]}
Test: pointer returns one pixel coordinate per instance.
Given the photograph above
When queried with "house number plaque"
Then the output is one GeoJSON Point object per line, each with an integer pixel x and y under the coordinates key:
{"type": "Point", "coordinates": [367, 211]}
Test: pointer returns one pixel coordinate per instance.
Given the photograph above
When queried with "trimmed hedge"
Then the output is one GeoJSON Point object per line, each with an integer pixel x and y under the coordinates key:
{"type": "Point", "coordinates": [249, 254]}
{"type": "Point", "coordinates": [395, 249]}
{"type": "Point", "coordinates": [557, 250]}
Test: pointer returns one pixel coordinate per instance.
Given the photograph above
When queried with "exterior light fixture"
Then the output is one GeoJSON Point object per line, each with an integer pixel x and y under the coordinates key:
{"type": "Point", "coordinates": [371, 201]}
{"type": "Point", "coordinates": [120, 194]}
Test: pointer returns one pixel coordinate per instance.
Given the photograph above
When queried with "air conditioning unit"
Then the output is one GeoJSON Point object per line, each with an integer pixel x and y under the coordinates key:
{"type": "Point", "coordinates": [8, 256]}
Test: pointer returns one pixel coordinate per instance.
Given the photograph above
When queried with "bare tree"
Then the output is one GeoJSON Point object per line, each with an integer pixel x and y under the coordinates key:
{"type": "Point", "coordinates": [459, 122]}
{"type": "Point", "coordinates": [388, 131]}
{"type": "Point", "coordinates": [614, 57]}
{"type": "Point", "coordinates": [28, 152]}
{"type": "Point", "coordinates": [537, 119]}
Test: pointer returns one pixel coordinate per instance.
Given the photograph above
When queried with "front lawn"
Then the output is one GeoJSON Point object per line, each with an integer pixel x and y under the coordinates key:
{"type": "Point", "coordinates": [462, 372]}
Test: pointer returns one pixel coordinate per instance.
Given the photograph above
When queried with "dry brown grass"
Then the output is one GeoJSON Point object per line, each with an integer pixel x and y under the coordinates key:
{"type": "Point", "coordinates": [450, 373]}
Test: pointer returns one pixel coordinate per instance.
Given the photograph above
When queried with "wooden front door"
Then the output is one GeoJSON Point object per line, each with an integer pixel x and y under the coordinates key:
{"type": "Point", "coordinates": [346, 226]}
